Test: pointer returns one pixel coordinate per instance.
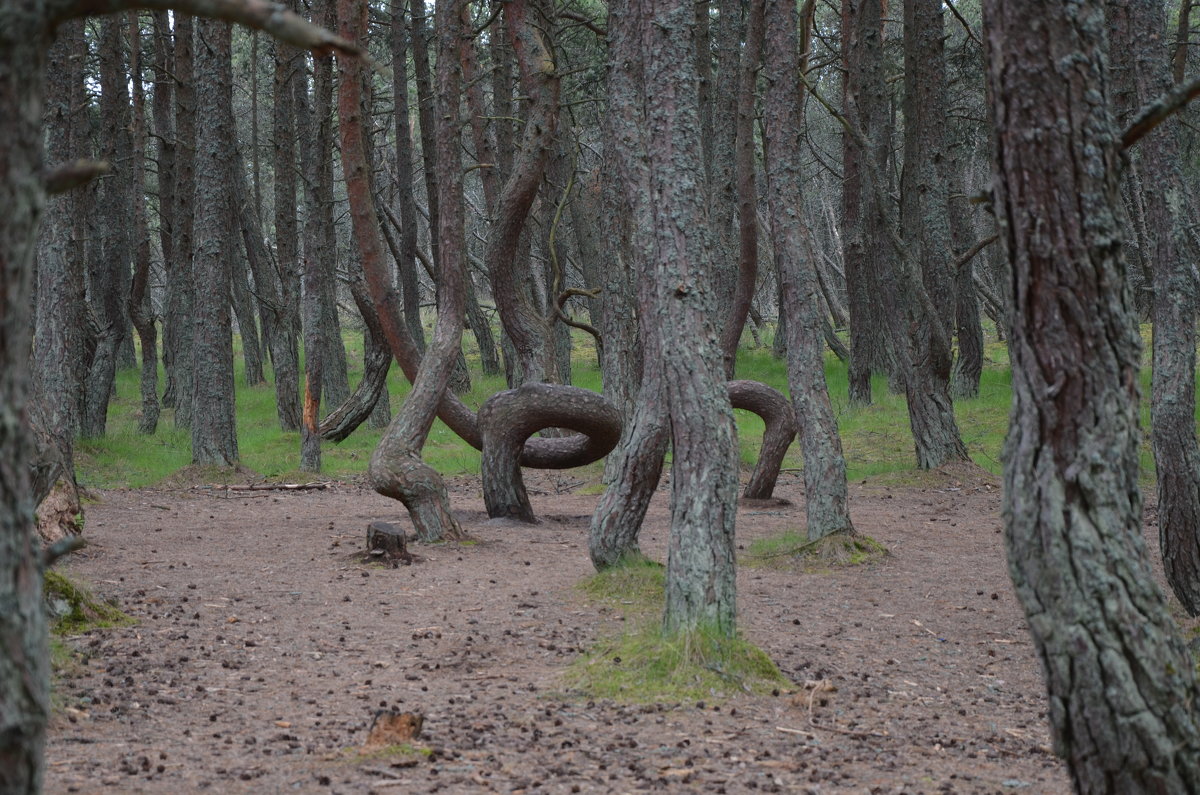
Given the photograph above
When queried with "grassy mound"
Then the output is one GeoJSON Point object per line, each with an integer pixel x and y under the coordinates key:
{"type": "Point", "coordinates": [649, 666]}
{"type": "Point", "coordinates": [792, 549]}
{"type": "Point", "coordinates": [74, 609]}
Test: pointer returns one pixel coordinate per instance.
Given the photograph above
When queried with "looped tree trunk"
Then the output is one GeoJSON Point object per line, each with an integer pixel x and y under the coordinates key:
{"type": "Point", "coordinates": [510, 417]}
{"type": "Point", "coordinates": [780, 421]}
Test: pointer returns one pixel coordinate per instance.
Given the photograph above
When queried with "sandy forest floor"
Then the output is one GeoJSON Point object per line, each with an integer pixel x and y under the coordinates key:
{"type": "Point", "coordinates": [264, 646]}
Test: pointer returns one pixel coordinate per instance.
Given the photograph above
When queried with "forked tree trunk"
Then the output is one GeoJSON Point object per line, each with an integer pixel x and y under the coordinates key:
{"type": "Point", "coordinates": [825, 492]}
{"type": "Point", "coordinates": [396, 468]}
{"type": "Point", "coordinates": [1122, 686]}
{"type": "Point", "coordinates": [676, 290]}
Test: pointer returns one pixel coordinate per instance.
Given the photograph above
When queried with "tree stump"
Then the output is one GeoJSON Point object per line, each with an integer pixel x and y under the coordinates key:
{"type": "Point", "coordinates": [386, 542]}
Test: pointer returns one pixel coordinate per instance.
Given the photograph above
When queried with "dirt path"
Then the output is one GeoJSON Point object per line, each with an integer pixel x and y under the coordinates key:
{"type": "Point", "coordinates": [263, 648]}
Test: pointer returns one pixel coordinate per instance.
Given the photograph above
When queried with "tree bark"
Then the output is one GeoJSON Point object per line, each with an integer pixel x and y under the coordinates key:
{"type": "Point", "coordinates": [825, 491]}
{"type": "Point", "coordinates": [409, 283]}
{"type": "Point", "coordinates": [180, 279]}
{"type": "Point", "coordinates": [284, 282]}
{"type": "Point", "coordinates": [525, 325]}
{"type": "Point", "coordinates": [1121, 684]}
{"type": "Point", "coordinates": [214, 431]}
{"type": "Point", "coordinates": [58, 337]}
{"type": "Point", "coordinates": [747, 195]}
{"type": "Point", "coordinates": [865, 104]}
{"type": "Point", "coordinates": [510, 417]}
{"type": "Point", "coordinates": [396, 468]}
{"type": "Point", "coordinates": [24, 665]}
{"type": "Point", "coordinates": [1138, 28]}
{"type": "Point", "coordinates": [676, 280]}
{"type": "Point", "coordinates": [140, 310]}
{"type": "Point", "coordinates": [108, 274]}
{"type": "Point", "coordinates": [924, 208]}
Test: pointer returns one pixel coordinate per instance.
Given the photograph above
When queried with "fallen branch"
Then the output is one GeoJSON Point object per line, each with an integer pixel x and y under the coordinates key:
{"type": "Point", "coordinates": [314, 486]}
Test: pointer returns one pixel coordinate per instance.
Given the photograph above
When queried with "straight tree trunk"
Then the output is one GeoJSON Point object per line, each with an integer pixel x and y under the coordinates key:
{"type": "Point", "coordinates": [409, 283]}
{"type": "Point", "coordinates": [162, 112]}
{"type": "Point", "coordinates": [285, 284]}
{"type": "Point", "coordinates": [746, 276]}
{"type": "Point", "coordinates": [214, 432]}
{"type": "Point", "coordinates": [1122, 686]}
{"type": "Point", "coordinates": [1138, 28]}
{"type": "Point", "coordinates": [108, 274]}
{"type": "Point", "coordinates": [926, 264]}
{"type": "Point", "coordinates": [24, 665]}
{"type": "Point", "coordinates": [58, 337]}
{"type": "Point", "coordinates": [140, 310]}
{"type": "Point", "coordinates": [863, 251]}
{"type": "Point", "coordinates": [180, 279]}
{"type": "Point", "coordinates": [825, 491]}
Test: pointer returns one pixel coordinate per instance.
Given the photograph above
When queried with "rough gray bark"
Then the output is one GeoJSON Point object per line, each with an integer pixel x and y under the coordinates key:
{"type": "Point", "coordinates": [1138, 28]}
{"type": "Point", "coordinates": [924, 208]}
{"type": "Point", "coordinates": [1121, 684]}
{"type": "Point", "coordinates": [510, 417]}
{"type": "Point", "coordinates": [865, 104]}
{"type": "Point", "coordinates": [180, 279]}
{"type": "Point", "coordinates": [214, 431]}
{"type": "Point", "coordinates": [24, 665]}
{"type": "Point", "coordinates": [676, 280]}
{"type": "Point", "coordinates": [968, 364]}
{"type": "Point", "coordinates": [281, 287]}
{"type": "Point", "coordinates": [825, 490]}
{"type": "Point", "coordinates": [140, 310]}
{"type": "Point", "coordinates": [58, 337]}
{"type": "Point", "coordinates": [108, 274]}
{"type": "Point", "coordinates": [632, 472]}
{"type": "Point", "coordinates": [407, 265]}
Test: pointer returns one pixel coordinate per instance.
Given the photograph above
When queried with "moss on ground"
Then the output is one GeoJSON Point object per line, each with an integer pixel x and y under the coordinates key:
{"type": "Point", "coordinates": [791, 549]}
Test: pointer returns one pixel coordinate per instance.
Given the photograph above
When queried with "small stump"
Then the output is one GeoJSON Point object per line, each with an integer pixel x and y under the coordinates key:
{"type": "Point", "coordinates": [386, 542]}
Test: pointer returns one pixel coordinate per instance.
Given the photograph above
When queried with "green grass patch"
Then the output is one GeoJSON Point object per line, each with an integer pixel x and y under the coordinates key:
{"type": "Point", "coordinates": [648, 666]}
{"type": "Point", "coordinates": [790, 549]}
{"type": "Point", "coordinates": [636, 584]}
{"type": "Point", "coordinates": [875, 439]}
{"type": "Point", "coordinates": [73, 608]}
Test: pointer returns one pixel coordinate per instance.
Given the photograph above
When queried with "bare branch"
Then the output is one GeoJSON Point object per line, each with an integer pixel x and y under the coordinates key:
{"type": "Point", "coordinates": [63, 178]}
{"type": "Point", "coordinates": [258, 14]}
{"type": "Point", "coordinates": [1159, 111]}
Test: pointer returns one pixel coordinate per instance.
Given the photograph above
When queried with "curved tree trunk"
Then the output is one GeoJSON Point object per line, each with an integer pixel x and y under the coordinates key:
{"type": "Point", "coordinates": [341, 421]}
{"type": "Point", "coordinates": [510, 417]}
{"type": "Point", "coordinates": [1122, 686]}
{"type": "Point", "coordinates": [825, 491]}
{"type": "Point", "coordinates": [779, 430]}
{"type": "Point", "coordinates": [525, 325]}
{"type": "Point", "coordinates": [396, 468]}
